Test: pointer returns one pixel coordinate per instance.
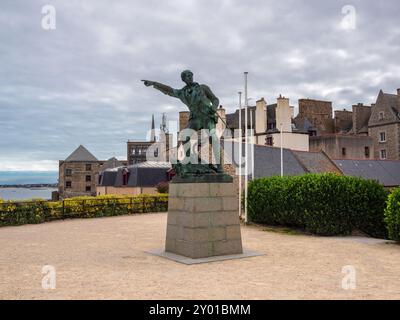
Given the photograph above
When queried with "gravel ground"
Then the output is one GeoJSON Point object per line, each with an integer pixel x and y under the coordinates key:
{"type": "Point", "coordinates": [105, 258]}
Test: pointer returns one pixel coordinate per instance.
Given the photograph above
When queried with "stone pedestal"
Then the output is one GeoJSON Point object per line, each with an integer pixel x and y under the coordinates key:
{"type": "Point", "coordinates": [203, 220]}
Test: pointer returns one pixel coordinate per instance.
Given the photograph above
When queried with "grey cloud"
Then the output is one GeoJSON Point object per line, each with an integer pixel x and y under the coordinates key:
{"type": "Point", "coordinates": [80, 83]}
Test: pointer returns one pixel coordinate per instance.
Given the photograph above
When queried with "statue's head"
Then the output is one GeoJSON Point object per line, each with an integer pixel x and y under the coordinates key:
{"type": "Point", "coordinates": [187, 76]}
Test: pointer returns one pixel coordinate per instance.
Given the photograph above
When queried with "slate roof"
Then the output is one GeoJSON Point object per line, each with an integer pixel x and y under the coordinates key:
{"type": "Point", "coordinates": [154, 164]}
{"type": "Point", "coordinates": [81, 154]}
{"type": "Point", "coordinates": [364, 129]}
{"type": "Point", "coordinates": [386, 172]}
{"type": "Point", "coordinates": [303, 125]}
{"type": "Point", "coordinates": [316, 162]}
{"type": "Point", "coordinates": [267, 162]}
{"type": "Point", "coordinates": [145, 174]}
{"type": "Point", "coordinates": [107, 177]}
{"type": "Point", "coordinates": [392, 103]}
{"type": "Point", "coordinates": [111, 163]}
{"type": "Point", "coordinates": [391, 99]}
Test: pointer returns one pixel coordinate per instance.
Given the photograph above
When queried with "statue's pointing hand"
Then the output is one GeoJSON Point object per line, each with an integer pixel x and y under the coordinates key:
{"type": "Point", "coordinates": [148, 83]}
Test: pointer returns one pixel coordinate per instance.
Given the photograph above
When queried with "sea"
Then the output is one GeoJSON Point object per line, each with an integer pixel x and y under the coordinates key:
{"type": "Point", "coordinates": [27, 177]}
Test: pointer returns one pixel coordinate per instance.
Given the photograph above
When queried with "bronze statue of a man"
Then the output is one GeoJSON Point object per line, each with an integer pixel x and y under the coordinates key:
{"type": "Point", "coordinates": [203, 105]}
{"type": "Point", "coordinates": [199, 98]}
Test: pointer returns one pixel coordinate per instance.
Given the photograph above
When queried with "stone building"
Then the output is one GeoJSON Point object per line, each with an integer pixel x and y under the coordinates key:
{"type": "Point", "coordinates": [361, 116]}
{"type": "Point", "coordinates": [269, 121]}
{"type": "Point", "coordinates": [343, 137]}
{"type": "Point", "coordinates": [344, 146]}
{"type": "Point", "coordinates": [366, 132]}
{"type": "Point", "coordinates": [343, 121]}
{"type": "Point", "coordinates": [318, 113]}
{"type": "Point", "coordinates": [78, 173]}
{"type": "Point", "coordinates": [137, 149]}
{"type": "Point", "coordinates": [384, 126]}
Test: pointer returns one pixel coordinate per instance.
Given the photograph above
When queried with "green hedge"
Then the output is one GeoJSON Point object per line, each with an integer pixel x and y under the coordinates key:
{"type": "Point", "coordinates": [325, 204]}
{"type": "Point", "coordinates": [38, 211]}
{"type": "Point", "coordinates": [392, 215]}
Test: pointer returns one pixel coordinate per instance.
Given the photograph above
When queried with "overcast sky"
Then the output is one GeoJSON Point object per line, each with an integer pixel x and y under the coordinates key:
{"type": "Point", "coordinates": [80, 83]}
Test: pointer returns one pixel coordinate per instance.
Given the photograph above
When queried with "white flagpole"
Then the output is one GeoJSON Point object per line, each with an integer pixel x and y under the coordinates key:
{"type": "Point", "coordinates": [240, 153]}
{"type": "Point", "coordinates": [252, 141]}
{"type": "Point", "coordinates": [246, 177]}
{"type": "Point", "coordinates": [281, 150]}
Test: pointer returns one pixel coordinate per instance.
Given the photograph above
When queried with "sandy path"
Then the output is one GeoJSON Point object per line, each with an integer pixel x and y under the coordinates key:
{"type": "Point", "coordinates": [105, 259]}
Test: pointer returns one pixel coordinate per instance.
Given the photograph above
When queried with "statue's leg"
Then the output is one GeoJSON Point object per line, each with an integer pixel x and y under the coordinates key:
{"type": "Point", "coordinates": [216, 149]}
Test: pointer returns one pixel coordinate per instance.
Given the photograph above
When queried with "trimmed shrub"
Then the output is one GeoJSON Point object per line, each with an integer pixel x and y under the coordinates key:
{"type": "Point", "coordinates": [324, 204]}
{"type": "Point", "coordinates": [392, 215]}
{"type": "Point", "coordinates": [38, 211]}
{"type": "Point", "coordinates": [368, 207]}
{"type": "Point", "coordinates": [163, 187]}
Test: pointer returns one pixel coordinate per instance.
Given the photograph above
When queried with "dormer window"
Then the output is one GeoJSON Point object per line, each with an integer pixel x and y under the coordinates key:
{"type": "Point", "coordinates": [125, 177]}
{"type": "Point", "coordinates": [381, 115]}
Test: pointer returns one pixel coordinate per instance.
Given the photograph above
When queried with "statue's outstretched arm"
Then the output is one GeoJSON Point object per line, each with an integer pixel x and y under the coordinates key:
{"type": "Point", "coordinates": [210, 95]}
{"type": "Point", "coordinates": [161, 87]}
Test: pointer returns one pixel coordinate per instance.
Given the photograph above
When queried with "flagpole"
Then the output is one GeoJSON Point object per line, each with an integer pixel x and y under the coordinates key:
{"type": "Point", "coordinates": [240, 153]}
{"type": "Point", "coordinates": [246, 177]}
{"type": "Point", "coordinates": [281, 129]}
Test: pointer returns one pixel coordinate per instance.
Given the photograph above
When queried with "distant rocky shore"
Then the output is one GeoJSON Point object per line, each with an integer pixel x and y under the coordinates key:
{"type": "Point", "coordinates": [40, 185]}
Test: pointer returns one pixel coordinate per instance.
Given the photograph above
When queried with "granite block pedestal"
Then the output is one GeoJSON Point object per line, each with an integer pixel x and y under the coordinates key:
{"type": "Point", "coordinates": [203, 220]}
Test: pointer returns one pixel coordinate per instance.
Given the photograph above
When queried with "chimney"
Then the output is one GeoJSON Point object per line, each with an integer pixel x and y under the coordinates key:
{"type": "Point", "coordinates": [221, 124]}
{"type": "Point", "coordinates": [283, 114]}
{"type": "Point", "coordinates": [292, 112]}
{"type": "Point", "coordinates": [361, 116]}
{"type": "Point", "coordinates": [261, 116]}
{"type": "Point", "coordinates": [398, 92]}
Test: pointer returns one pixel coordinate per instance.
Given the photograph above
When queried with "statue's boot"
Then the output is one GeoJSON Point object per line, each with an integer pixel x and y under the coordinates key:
{"type": "Point", "coordinates": [220, 168]}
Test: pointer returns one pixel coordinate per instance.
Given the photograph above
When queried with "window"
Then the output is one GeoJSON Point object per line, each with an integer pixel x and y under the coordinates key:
{"type": "Point", "coordinates": [269, 141]}
{"type": "Point", "coordinates": [88, 178]}
{"type": "Point", "coordinates": [382, 136]}
{"type": "Point", "coordinates": [125, 177]}
{"type": "Point", "coordinates": [367, 152]}
{"type": "Point", "coordinates": [88, 188]}
{"type": "Point", "coordinates": [381, 115]}
{"type": "Point", "coordinates": [88, 167]}
{"type": "Point", "coordinates": [383, 154]}
{"type": "Point", "coordinates": [68, 184]}
{"type": "Point", "coordinates": [68, 172]}
{"type": "Point", "coordinates": [343, 151]}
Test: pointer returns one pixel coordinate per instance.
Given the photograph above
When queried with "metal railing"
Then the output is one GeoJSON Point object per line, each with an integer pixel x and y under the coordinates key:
{"type": "Point", "coordinates": [16, 213]}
